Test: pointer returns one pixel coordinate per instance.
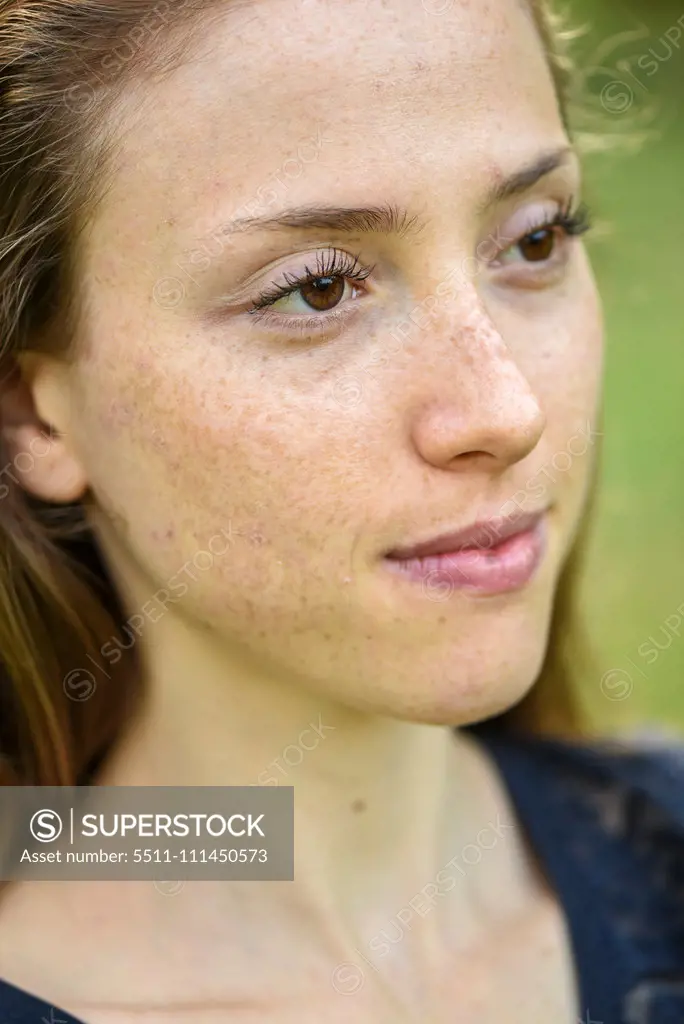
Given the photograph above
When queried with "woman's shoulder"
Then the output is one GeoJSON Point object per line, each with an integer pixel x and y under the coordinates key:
{"type": "Point", "coordinates": [627, 784]}
{"type": "Point", "coordinates": [622, 796]}
{"type": "Point", "coordinates": [607, 817]}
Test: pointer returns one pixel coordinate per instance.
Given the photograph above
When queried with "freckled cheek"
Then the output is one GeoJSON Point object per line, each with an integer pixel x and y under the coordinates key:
{"type": "Point", "coordinates": [288, 474]}
{"type": "Point", "coordinates": [283, 500]}
{"type": "Point", "coordinates": [274, 468]}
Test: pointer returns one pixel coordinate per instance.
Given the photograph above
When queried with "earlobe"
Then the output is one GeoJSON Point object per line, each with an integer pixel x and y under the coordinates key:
{"type": "Point", "coordinates": [33, 423]}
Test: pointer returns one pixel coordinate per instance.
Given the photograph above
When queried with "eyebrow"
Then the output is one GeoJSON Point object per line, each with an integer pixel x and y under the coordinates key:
{"type": "Point", "coordinates": [388, 218]}
{"type": "Point", "coordinates": [526, 178]}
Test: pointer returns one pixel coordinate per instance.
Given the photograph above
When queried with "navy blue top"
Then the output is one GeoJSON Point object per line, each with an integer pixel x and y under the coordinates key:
{"type": "Point", "coordinates": [607, 823]}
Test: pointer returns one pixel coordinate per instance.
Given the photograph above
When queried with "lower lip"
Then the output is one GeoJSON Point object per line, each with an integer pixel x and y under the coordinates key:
{"type": "Point", "coordinates": [508, 566]}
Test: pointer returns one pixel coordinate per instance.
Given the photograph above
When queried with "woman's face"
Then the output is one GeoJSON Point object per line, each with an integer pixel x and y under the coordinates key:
{"type": "Point", "coordinates": [438, 367]}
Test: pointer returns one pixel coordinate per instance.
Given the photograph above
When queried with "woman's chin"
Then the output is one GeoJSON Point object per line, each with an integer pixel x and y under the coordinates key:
{"type": "Point", "coordinates": [448, 698]}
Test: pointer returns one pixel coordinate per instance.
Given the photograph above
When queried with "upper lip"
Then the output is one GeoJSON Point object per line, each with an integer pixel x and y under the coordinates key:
{"type": "Point", "coordinates": [484, 534]}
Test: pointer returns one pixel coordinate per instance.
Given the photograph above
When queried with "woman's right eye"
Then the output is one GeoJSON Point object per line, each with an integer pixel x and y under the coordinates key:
{"type": "Point", "coordinates": [315, 295]}
{"type": "Point", "coordinates": [320, 290]}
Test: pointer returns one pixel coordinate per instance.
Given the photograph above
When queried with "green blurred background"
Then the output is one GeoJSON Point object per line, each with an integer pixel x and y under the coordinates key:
{"type": "Point", "coordinates": [632, 64]}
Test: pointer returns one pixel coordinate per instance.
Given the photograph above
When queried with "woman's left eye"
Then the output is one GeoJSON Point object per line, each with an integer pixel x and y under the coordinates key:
{"type": "Point", "coordinates": [535, 248]}
{"type": "Point", "coordinates": [540, 245]}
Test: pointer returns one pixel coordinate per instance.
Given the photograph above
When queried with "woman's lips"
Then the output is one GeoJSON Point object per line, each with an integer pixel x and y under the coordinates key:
{"type": "Point", "coordinates": [490, 558]}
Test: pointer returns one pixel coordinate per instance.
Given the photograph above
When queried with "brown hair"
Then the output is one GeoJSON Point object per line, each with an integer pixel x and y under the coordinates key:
{"type": "Point", "coordinates": [62, 63]}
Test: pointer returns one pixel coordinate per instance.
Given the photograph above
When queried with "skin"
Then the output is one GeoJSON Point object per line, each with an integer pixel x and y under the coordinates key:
{"type": "Point", "coordinates": [190, 419]}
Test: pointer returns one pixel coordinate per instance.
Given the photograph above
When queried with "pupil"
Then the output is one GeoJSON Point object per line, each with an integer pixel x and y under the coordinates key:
{"type": "Point", "coordinates": [323, 293]}
{"type": "Point", "coordinates": [538, 246]}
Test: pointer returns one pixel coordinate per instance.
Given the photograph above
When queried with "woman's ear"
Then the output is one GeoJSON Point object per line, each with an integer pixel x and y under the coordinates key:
{"type": "Point", "coordinates": [34, 423]}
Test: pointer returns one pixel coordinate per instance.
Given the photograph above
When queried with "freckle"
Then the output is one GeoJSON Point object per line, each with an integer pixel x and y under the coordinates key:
{"type": "Point", "coordinates": [326, 636]}
{"type": "Point", "coordinates": [170, 533]}
{"type": "Point", "coordinates": [495, 172]}
{"type": "Point", "coordinates": [358, 806]}
{"type": "Point", "coordinates": [442, 620]}
{"type": "Point", "coordinates": [120, 414]}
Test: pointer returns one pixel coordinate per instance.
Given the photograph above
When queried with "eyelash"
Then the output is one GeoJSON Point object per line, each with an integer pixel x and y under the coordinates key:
{"type": "Point", "coordinates": [331, 263]}
{"type": "Point", "coordinates": [577, 223]}
{"type": "Point", "coordinates": [337, 263]}
{"type": "Point", "coordinates": [572, 223]}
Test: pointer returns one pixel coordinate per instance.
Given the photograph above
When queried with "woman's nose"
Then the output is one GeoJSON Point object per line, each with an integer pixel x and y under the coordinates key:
{"type": "Point", "coordinates": [478, 402]}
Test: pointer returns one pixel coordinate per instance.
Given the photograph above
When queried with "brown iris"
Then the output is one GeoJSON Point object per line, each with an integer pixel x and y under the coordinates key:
{"type": "Point", "coordinates": [538, 246]}
{"type": "Point", "coordinates": [323, 293]}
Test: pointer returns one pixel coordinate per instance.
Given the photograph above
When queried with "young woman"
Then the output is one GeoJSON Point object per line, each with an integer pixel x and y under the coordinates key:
{"type": "Point", "coordinates": [300, 413]}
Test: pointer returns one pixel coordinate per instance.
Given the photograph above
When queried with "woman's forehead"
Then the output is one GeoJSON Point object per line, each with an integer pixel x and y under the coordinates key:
{"type": "Point", "coordinates": [376, 93]}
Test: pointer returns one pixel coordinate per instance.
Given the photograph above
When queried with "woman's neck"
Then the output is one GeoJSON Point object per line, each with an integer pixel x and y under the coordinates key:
{"type": "Point", "coordinates": [381, 805]}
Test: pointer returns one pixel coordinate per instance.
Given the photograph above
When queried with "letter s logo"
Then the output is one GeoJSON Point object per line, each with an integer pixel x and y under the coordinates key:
{"type": "Point", "coordinates": [46, 826]}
